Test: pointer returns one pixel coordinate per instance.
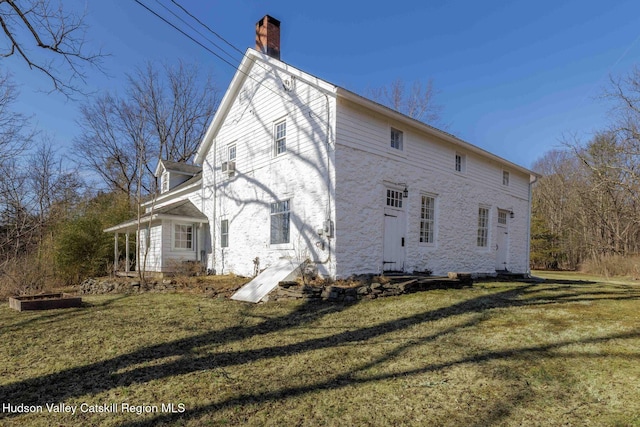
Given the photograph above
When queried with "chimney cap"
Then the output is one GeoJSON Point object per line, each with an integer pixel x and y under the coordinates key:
{"type": "Point", "coordinates": [268, 19]}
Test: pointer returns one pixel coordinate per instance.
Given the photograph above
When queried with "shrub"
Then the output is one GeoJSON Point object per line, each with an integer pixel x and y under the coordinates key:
{"type": "Point", "coordinates": [613, 265]}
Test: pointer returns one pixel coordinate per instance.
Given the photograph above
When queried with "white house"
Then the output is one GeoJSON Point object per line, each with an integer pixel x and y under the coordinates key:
{"type": "Point", "coordinates": [295, 167]}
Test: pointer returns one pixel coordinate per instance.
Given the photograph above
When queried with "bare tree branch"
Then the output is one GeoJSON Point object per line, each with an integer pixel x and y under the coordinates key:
{"type": "Point", "coordinates": [58, 33]}
{"type": "Point", "coordinates": [417, 102]}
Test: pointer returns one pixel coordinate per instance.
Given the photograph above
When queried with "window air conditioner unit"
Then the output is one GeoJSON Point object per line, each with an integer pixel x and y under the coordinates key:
{"type": "Point", "coordinates": [228, 167]}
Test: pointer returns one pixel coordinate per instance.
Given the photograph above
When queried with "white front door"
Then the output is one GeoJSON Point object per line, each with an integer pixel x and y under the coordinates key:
{"type": "Point", "coordinates": [395, 225]}
{"type": "Point", "coordinates": [502, 241]}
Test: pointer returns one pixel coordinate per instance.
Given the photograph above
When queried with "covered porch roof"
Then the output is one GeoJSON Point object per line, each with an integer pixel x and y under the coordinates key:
{"type": "Point", "coordinates": [183, 210]}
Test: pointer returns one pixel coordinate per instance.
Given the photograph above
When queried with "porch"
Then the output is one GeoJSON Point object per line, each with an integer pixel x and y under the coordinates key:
{"type": "Point", "coordinates": [165, 238]}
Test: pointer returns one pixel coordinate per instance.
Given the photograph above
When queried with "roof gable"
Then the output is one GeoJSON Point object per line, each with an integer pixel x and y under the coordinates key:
{"type": "Point", "coordinates": [252, 57]}
{"type": "Point", "coordinates": [179, 167]}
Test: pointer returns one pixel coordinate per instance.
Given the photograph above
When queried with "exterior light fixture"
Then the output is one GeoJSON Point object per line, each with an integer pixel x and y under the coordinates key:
{"type": "Point", "coordinates": [511, 214]}
{"type": "Point", "coordinates": [405, 193]}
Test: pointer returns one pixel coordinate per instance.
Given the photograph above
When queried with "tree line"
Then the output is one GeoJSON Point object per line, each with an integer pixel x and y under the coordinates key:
{"type": "Point", "coordinates": [585, 207]}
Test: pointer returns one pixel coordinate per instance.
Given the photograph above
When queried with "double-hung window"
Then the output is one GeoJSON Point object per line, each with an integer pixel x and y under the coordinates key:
{"type": "Point", "coordinates": [280, 137]}
{"type": "Point", "coordinates": [396, 139]}
{"type": "Point", "coordinates": [427, 219]}
{"type": "Point", "coordinates": [231, 153]}
{"type": "Point", "coordinates": [483, 227]}
{"type": "Point", "coordinates": [280, 222]}
{"type": "Point", "coordinates": [505, 178]}
{"type": "Point", "coordinates": [183, 237]}
{"type": "Point", "coordinates": [224, 233]}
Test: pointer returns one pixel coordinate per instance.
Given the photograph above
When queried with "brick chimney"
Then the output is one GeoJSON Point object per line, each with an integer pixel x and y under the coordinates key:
{"type": "Point", "coordinates": [268, 36]}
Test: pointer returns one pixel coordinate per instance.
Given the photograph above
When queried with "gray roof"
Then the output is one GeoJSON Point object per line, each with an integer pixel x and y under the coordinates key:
{"type": "Point", "coordinates": [181, 167]}
{"type": "Point", "coordinates": [184, 210]}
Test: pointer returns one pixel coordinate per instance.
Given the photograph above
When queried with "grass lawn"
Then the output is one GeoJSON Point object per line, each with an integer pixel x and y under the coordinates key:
{"type": "Point", "coordinates": [564, 352]}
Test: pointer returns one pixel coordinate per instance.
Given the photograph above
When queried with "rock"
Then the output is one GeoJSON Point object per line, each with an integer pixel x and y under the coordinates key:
{"type": "Point", "coordinates": [363, 290]}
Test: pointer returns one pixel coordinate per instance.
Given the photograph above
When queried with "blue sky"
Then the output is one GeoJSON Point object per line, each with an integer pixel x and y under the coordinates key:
{"type": "Point", "coordinates": [512, 76]}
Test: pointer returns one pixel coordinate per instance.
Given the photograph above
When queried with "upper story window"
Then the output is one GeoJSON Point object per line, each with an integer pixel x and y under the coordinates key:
{"type": "Point", "coordinates": [164, 185]}
{"type": "Point", "coordinates": [280, 137]}
{"type": "Point", "coordinates": [183, 237]}
{"type": "Point", "coordinates": [505, 178]}
{"type": "Point", "coordinates": [483, 227]}
{"type": "Point", "coordinates": [460, 162]}
{"type": "Point", "coordinates": [231, 153]}
{"type": "Point", "coordinates": [396, 139]}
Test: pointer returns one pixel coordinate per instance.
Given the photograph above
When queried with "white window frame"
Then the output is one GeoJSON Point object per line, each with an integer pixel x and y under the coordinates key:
{"type": "Point", "coordinates": [502, 217]}
{"type": "Point", "coordinates": [279, 139]}
{"type": "Point", "coordinates": [505, 178]}
{"type": "Point", "coordinates": [460, 163]}
{"type": "Point", "coordinates": [231, 152]}
{"type": "Point", "coordinates": [224, 233]}
{"type": "Point", "coordinates": [394, 198]}
{"type": "Point", "coordinates": [427, 234]}
{"type": "Point", "coordinates": [277, 209]}
{"type": "Point", "coordinates": [482, 237]}
{"type": "Point", "coordinates": [174, 239]}
{"type": "Point", "coordinates": [396, 137]}
{"type": "Point", "coordinates": [164, 182]}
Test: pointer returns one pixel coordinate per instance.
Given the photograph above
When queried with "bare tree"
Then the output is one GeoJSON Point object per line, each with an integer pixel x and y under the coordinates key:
{"type": "Point", "coordinates": [416, 101]}
{"type": "Point", "coordinates": [163, 114]}
{"type": "Point", "coordinates": [177, 106]}
{"type": "Point", "coordinates": [14, 132]}
{"type": "Point", "coordinates": [57, 32]}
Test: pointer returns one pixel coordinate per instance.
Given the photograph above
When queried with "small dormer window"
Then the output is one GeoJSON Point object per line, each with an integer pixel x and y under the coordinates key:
{"type": "Point", "coordinates": [164, 182]}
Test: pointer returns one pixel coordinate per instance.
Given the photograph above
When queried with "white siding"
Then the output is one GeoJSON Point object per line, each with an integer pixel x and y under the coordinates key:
{"type": "Point", "coordinates": [304, 174]}
{"type": "Point", "coordinates": [154, 254]}
{"type": "Point", "coordinates": [366, 164]}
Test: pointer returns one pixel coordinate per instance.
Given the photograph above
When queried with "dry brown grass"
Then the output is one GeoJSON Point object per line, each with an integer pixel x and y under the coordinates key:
{"type": "Point", "coordinates": [614, 265]}
{"type": "Point", "coordinates": [564, 352]}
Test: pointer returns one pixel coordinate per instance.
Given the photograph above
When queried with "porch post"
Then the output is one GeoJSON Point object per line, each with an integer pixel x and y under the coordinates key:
{"type": "Point", "coordinates": [126, 251]}
{"type": "Point", "coordinates": [115, 254]}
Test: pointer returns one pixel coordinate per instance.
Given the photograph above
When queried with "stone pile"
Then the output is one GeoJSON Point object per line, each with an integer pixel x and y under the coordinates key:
{"type": "Point", "coordinates": [110, 285]}
{"type": "Point", "coordinates": [367, 290]}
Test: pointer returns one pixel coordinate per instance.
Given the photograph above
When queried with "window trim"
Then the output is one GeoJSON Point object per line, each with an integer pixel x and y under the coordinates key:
{"type": "Point", "coordinates": [224, 233]}
{"type": "Point", "coordinates": [482, 234]}
{"type": "Point", "coordinates": [432, 221]}
{"type": "Point", "coordinates": [276, 140]}
{"type": "Point", "coordinates": [235, 152]}
{"type": "Point", "coordinates": [287, 213]}
{"type": "Point", "coordinates": [394, 198]}
{"type": "Point", "coordinates": [174, 224]}
{"type": "Point", "coordinates": [462, 164]}
{"type": "Point", "coordinates": [506, 176]}
{"type": "Point", "coordinates": [502, 216]}
{"type": "Point", "coordinates": [391, 139]}
{"type": "Point", "coordinates": [165, 182]}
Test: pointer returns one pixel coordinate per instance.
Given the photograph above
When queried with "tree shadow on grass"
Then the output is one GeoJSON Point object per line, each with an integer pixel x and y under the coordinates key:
{"type": "Point", "coordinates": [106, 375]}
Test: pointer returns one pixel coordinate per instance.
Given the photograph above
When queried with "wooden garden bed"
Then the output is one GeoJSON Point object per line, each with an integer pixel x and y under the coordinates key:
{"type": "Point", "coordinates": [44, 301]}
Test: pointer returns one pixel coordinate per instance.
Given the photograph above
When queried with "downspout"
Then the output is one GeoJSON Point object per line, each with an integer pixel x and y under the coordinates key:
{"type": "Point", "coordinates": [528, 267]}
{"type": "Point", "coordinates": [328, 215]}
{"type": "Point", "coordinates": [215, 201]}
